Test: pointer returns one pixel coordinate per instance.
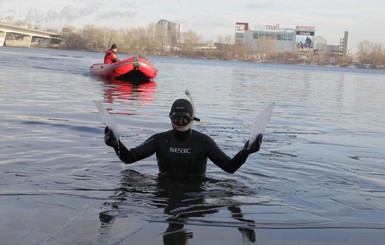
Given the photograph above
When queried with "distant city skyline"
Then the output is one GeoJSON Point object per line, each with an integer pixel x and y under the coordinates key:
{"type": "Point", "coordinates": [363, 20]}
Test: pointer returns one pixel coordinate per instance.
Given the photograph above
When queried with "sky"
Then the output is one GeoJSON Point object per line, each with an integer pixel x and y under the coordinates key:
{"type": "Point", "coordinates": [210, 19]}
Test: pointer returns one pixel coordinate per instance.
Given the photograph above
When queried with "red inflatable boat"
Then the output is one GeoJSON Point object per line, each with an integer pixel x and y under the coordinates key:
{"type": "Point", "coordinates": [132, 69]}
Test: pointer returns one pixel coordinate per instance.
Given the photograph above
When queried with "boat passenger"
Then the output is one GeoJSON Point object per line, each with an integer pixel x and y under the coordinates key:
{"type": "Point", "coordinates": [111, 56]}
{"type": "Point", "coordinates": [182, 152]}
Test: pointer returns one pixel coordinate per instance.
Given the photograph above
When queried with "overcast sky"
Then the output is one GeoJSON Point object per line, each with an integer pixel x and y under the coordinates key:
{"type": "Point", "coordinates": [365, 20]}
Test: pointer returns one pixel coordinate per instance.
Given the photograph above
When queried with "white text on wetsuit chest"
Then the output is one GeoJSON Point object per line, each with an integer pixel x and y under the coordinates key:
{"type": "Point", "coordinates": [180, 150]}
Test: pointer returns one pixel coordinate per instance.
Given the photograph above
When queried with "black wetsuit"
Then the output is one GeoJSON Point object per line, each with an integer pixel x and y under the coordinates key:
{"type": "Point", "coordinates": [182, 153]}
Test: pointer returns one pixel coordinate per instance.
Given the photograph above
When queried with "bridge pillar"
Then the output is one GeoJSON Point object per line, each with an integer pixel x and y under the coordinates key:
{"type": "Point", "coordinates": [2, 38]}
{"type": "Point", "coordinates": [25, 42]}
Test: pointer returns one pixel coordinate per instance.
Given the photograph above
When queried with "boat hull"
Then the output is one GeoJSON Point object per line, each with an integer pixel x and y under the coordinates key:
{"type": "Point", "coordinates": [133, 68]}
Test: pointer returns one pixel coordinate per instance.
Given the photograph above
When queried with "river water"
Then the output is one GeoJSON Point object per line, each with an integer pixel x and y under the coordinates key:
{"type": "Point", "coordinates": [319, 177]}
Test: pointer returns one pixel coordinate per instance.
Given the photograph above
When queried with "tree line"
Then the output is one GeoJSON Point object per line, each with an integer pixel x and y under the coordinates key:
{"type": "Point", "coordinates": [144, 41]}
{"type": "Point", "coordinates": [134, 40]}
{"type": "Point", "coordinates": [148, 41]}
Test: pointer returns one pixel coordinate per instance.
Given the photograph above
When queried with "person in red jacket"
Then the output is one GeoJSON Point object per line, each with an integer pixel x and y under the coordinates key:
{"type": "Point", "coordinates": [111, 56]}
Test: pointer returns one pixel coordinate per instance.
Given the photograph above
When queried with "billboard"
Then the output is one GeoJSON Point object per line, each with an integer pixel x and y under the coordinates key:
{"type": "Point", "coordinates": [304, 37]}
{"type": "Point", "coordinates": [241, 27]}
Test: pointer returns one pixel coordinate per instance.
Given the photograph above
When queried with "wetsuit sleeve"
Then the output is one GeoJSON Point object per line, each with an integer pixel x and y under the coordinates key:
{"type": "Point", "coordinates": [140, 152]}
{"type": "Point", "coordinates": [219, 158]}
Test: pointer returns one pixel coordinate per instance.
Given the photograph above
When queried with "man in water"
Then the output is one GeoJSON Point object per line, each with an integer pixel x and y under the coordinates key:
{"type": "Point", "coordinates": [111, 56]}
{"type": "Point", "coordinates": [182, 151]}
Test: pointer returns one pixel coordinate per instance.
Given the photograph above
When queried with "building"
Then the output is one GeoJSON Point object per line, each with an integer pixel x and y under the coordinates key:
{"type": "Point", "coordinates": [341, 48]}
{"type": "Point", "coordinates": [320, 42]}
{"type": "Point", "coordinates": [344, 44]}
{"type": "Point", "coordinates": [167, 32]}
{"type": "Point", "coordinates": [270, 38]}
{"type": "Point", "coordinates": [274, 39]}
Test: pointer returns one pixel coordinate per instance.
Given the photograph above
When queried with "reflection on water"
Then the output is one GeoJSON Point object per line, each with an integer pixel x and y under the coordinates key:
{"type": "Point", "coordinates": [182, 202]}
{"type": "Point", "coordinates": [116, 91]}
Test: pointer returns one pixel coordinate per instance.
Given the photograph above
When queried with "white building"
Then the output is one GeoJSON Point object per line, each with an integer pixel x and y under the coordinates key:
{"type": "Point", "coordinates": [272, 38]}
{"type": "Point", "coordinates": [167, 32]}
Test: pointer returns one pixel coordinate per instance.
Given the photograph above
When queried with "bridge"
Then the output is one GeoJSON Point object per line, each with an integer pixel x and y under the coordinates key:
{"type": "Point", "coordinates": [16, 36]}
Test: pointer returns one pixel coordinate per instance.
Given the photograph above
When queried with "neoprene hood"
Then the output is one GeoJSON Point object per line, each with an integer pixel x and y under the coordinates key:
{"type": "Point", "coordinates": [181, 107]}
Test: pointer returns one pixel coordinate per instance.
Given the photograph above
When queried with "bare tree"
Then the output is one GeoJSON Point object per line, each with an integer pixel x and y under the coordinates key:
{"type": "Point", "coordinates": [190, 40]}
{"type": "Point", "coordinates": [91, 40]}
{"type": "Point", "coordinates": [370, 53]}
{"type": "Point", "coordinates": [73, 39]}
